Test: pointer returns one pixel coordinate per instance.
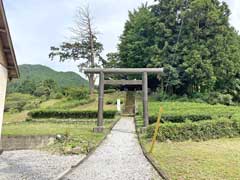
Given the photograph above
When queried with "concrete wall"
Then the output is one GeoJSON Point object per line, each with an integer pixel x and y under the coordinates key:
{"type": "Point", "coordinates": [25, 142]}
{"type": "Point", "coordinates": [3, 85]}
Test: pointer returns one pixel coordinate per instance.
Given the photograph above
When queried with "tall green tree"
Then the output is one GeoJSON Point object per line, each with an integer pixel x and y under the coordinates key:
{"type": "Point", "coordinates": [112, 61]}
{"type": "Point", "coordinates": [137, 41]}
{"type": "Point", "coordinates": [191, 39]}
{"type": "Point", "coordinates": [26, 87]}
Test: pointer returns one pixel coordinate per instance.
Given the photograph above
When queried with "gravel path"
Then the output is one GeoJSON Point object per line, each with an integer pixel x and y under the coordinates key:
{"type": "Point", "coordinates": [119, 157]}
{"type": "Point", "coordinates": [33, 165]}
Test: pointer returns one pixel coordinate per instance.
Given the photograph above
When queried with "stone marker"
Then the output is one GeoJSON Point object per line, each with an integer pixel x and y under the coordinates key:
{"type": "Point", "coordinates": [118, 105]}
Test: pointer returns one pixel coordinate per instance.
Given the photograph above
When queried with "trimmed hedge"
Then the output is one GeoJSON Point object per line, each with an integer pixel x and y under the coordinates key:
{"type": "Point", "coordinates": [202, 130]}
{"type": "Point", "coordinates": [88, 114]}
{"type": "Point", "coordinates": [182, 118]}
{"type": "Point", "coordinates": [110, 101]}
{"type": "Point", "coordinates": [109, 91]}
{"type": "Point", "coordinates": [179, 118]}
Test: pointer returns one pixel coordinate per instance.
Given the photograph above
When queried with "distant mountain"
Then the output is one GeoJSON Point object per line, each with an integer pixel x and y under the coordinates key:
{"type": "Point", "coordinates": [37, 73]}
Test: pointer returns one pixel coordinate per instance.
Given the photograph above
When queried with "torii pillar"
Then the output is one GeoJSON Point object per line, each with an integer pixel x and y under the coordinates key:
{"type": "Point", "coordinates": [145, 98]}
{"type": "Point", "coordinates": [100, 127]}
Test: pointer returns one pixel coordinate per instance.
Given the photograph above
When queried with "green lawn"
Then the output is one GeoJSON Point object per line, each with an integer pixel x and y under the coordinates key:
{"type": "Point", "coordinates": [11, 117]}
{"type": "Point", "coordinates": [14, 117]}
{"type": "Point", "coordinates": [185, 108]}
{"type": "Point", "coordinates": [49, 128]}
{"type": "Point", "coordinates": [78, 134]}
{"type": "Point", "coordinates": [213, 159]}
{"type": "Point", "coordinates": [50, 103]}
{"type": "Point", "coordinates": [107, 97]}
{"type": "Point", "coordinates": [63, 103]}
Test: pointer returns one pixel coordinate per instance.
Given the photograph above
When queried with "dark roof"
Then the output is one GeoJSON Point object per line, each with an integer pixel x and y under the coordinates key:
{"type": "Point", "coordinates": [5, 37]}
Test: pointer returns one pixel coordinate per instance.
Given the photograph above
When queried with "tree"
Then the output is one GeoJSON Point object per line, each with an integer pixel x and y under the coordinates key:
{"type": "Point", "coordinates": [137, 41]}
{"type": "Point", "coordinates": [50, 84]}
{"type": "Point", "coordinates": [191, 39]}
{"type": "Point", "coordinates": [26, 87]}
{"type": "Point", "coordinates": [83, 46]}
{"type": "Point", "coordinates": [45, 88]}
{"type": "Point", "coordinates": [113, 60]}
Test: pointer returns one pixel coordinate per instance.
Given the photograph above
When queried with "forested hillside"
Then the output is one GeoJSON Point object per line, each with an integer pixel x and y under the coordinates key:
{"type": "Point", "coordinates": [32, 75]}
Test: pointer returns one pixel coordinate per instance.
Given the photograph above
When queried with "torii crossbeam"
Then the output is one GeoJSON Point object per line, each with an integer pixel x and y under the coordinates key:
{"type": "Point", "coordinates": [102, 81]}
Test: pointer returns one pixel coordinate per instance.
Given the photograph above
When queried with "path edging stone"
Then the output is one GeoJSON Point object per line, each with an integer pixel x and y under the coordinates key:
{"type": "Point", "coordinates": [150, 160]}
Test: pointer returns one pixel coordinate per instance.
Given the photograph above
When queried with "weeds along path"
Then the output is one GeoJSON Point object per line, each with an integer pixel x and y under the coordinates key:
{"type": "Point", "coordinates": [118, 157]}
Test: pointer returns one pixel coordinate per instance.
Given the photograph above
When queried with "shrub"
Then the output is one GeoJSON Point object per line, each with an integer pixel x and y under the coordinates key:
{"type": "Point", "coordinates": [108, 91]}
{"type": "Point", "coordinates": [121, 101]}
{"type": "Point", "coordinates": [109, 102]}
{"type": "Point", "coordinates": [77, 93]}
{"type": "Point", "coordinates": [216, 97]}
{"type": "Point", "coordinates": [160, 95]}
{"type": "Point", "coordinates": [17, 102]}
{"type": "Point", "coordinates": [184, 98]}
{"type": "Point", "coordinates": [236, 116]}
{"type": "Point", "coordinates": [42, 91]}
{"type": "Point", "coordinates": [32, 105]}
{"type": "Point", "coordinates": [57, 95]}
{"type": "Point", "coordinates": [226, 99]}
{"type": "Point", "coordinates": [88, 114]}
{"type": "Point", "coordinates": [202, 130]}
{"type": "Point", "coordinates": [28, 119]}
{"type": "Point", "coordinates": [180, 118]}
{"type": "Point", "coordinates": [113, 101]}
{"type": "Point", "coordinates": [14, 106]}
{"type": "Point", "coordinates": [211, 98]}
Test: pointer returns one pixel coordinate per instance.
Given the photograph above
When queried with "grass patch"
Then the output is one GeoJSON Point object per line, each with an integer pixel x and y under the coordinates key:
{"type": "Point", "coordinates": [17, 102]}
{"type": "Point", "coordinates": [70, 103]}
{"type": "Point", "coordinates": [191, 108]}
{"type": "Point", "coordinates": [74, 134]}
{"type": "Point", "coordinates": [107, 97]}
{"type": "Point", "coordinates": [188, 160]}
{"type": "Point", "coordinates": [15, 117]}
{"type": "Point", "coordinates": [49, 103]}
{"type": "Point", "coordinates": [213, 159]}
{"type": "Point", "coordinates": [48, 128]}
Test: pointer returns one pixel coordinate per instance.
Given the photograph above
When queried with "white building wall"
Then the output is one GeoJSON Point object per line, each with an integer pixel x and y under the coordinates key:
{"type": "Point", "coordinates": [3, 85]}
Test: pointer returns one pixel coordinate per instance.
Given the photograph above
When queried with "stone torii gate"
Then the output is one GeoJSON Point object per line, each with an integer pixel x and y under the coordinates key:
{"type": "Point", "coordinates": [102, 82]}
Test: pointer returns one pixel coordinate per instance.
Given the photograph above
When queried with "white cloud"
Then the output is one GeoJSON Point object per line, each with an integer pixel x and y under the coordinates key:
{"type": "Point", "coordinates": [36, 25]}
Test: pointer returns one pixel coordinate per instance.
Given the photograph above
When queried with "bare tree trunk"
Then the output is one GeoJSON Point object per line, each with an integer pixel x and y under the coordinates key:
{"type": "Point", "coordinates": [84, 31]}
{"type": "Point", "coordinates": [91, 80]}
{"type": "Point", "coordinates": [91, 84]}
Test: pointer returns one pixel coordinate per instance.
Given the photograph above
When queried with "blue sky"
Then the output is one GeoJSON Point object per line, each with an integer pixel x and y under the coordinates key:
{"type": "Point", "coordinates": [36, 25]}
